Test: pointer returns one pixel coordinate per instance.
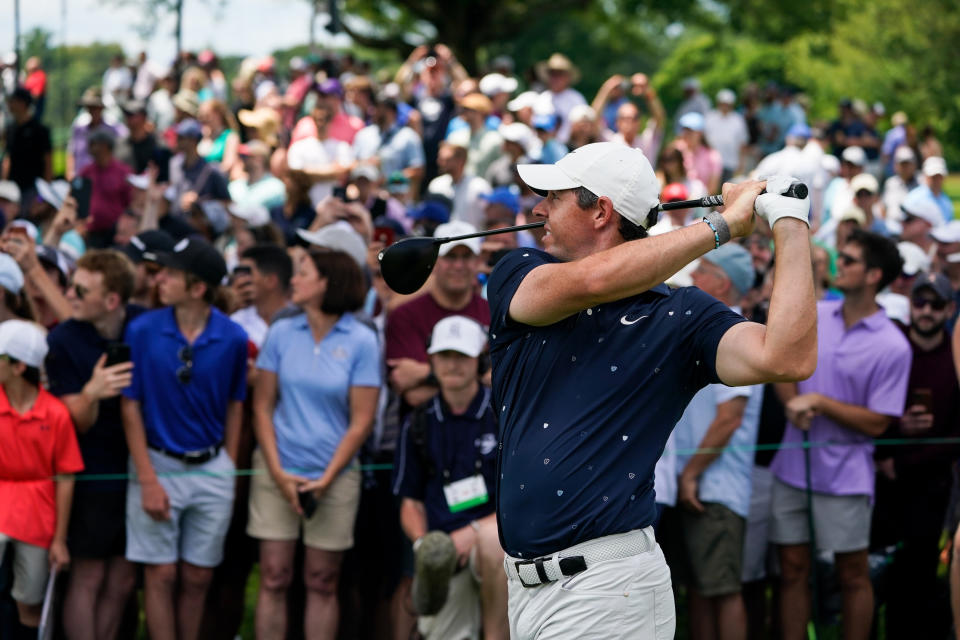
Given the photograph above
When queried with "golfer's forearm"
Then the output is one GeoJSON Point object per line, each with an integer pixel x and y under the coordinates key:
{"type": "Point", "coordinates": [791, 333]}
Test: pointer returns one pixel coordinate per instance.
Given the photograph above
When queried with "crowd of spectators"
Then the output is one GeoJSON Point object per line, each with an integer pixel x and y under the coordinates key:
{"type": "Point", "coordinates": [202, 368]}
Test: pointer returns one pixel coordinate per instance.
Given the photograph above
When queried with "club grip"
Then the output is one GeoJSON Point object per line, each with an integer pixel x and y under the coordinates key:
{"type": "Point", "coordinates": [797, 190]}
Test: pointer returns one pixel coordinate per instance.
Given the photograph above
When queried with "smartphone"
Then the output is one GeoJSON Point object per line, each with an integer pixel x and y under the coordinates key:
{"type": "Point", "coordinates": [117, 352]}
{"type": "Point", "coordinates": [340, 193]}
{"type": "Point", "coordinates": [81, 189]}
{"type": "Point", "coordinates": [922, 397]}
{"type": "Point", "coordinates": [242, 270]}
{"type": "Point", "coordinates": [386, 235]}
{"type": "Point", "coordinates": [308, 502]}
{"type": "Point", "coordinates": [161, 157]}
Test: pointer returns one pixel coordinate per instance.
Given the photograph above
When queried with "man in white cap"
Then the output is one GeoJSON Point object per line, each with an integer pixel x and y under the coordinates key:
{"type": "Point", "coordinates": [920, 216]}
{"type": "Point", "coordinates": [947, 256]}
{"type": "Point", "coordinates": [447, 477]}
{"type": "Point", "coordinates": [897, 186]}
{"type": "Point", "coordinates": [726, 131]}
{"type": "Point", "coordinates": [934, 173]}
{"type": "Point", "coordinates": [693, 100]}
{"type": "Point", "coordinates": [594, 361]}
{"type": "Point", "coordinates": [838, 194]}
{"type": "Point", "coordinates": [39, 443]}
{"type": "Point", "coordinates": [463, 189]}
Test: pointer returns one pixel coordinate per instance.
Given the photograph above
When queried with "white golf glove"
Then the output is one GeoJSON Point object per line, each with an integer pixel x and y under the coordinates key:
{"type": "Point", "coordinates": [772, 206]}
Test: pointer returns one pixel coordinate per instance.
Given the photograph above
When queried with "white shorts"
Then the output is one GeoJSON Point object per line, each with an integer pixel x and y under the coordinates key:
{"type": "Point", "coordinates": [627, 598]}
{"type": "Point", "coordinates": [200, 509]}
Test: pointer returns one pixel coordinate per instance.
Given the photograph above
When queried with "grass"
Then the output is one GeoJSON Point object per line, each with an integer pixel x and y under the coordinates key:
{"type": "Point", "coordinates": [951, 186]}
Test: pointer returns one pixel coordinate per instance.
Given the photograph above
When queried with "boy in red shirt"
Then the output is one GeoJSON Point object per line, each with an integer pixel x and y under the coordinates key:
{"type": "Point", "coordinates": [38, 443]}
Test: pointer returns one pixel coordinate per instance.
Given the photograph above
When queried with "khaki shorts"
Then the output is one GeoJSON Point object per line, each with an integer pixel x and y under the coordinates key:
{"type": "Point", "coordinates": [714, 544]}
{"type": "Point", "coordinates": [30, 569]}
{"type": "Point", "coordinates": [330, 528]}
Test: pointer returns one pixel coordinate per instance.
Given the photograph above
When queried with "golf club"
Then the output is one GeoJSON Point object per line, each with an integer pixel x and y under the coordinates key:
{"type": "Point", "coordinates": [407, 264]}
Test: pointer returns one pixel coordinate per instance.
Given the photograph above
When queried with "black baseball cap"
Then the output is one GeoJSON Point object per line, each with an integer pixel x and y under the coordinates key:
{"type": "Point", "coordinates": [936, 282]}
{"type": "Point", "coordinates": [198, 257]}
{"type": "Point", "coordinates": [145, 246]}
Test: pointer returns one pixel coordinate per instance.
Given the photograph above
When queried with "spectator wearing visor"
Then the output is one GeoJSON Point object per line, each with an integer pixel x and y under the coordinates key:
{"type": "Point", "coordinates": [182, 415]}
{"type": "Point", "coordinates": [446, 475]}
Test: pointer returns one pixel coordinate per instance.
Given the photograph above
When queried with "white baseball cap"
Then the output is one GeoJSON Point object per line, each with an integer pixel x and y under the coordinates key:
{"type": "Point", "coordinates": [922, 206]}
{"type": "Point", "coordinates": [934, 166]}
{"type": "Point", "coordinates": [726, 96]}
{"type": "Point", "coordinates": [495, 83]}
{"type": "Point", "coordinates": [864, 182]}
{"type": "Point", "coordinates": [904, 154]}
{"type": "Point", "coordinates": [947, 233]}
{"type": "Point", "coordinates": [458, 333]}
{"type": "Point", "coordinates": [854, 155]}
{"type": "Point", "coordinates": [256, 215]}
{"type": "Point", "coordinates": [609, 169]}
{"type": "Point", "coordinates": [339, 236]}
{"type": "Point", "coordinates": [53, 193]}
{"type": "Point", "coordinates": [522, 135]}
{"type": "Point", "coordinates": [457, 228]}
{"type": "Point", "coordinates": [11, 277]}
{"type": "Point", "coordinates": [523, 101]}
{"type": "Point", "coordinates": [9, 191]}
{"type": "Point", "coordinates": [915, 259]}
{"type": "Point", "coordinates": [23, 341]}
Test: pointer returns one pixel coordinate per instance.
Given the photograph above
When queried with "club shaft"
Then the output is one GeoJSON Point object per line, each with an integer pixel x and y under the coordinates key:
{"type": "Point", "coordinates": [491, 232]}
{"type": "Point", "coordinates": [796, 190]}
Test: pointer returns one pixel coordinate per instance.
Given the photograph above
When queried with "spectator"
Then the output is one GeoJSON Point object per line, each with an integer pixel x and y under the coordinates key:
{"type": "Point", "coordinates": [935, 172]}
{"type": "Point", "coordinates": [920, 476]}
{"type": "Point", "coordinates": [297, 211]}
{"type": "Point", "coordinates": [921, 216]}
{"type": "Point", "coordinates": [671, 170]}
{"type": "Point", "coordinates": [78, 151]}
{"type": "Point", "coordinates": [45, 273]}
{"type": "Point", "coordinates": [28, 151]}
{"type": "Point", "coordinates": [89, 384]}
{"type": "Point", "coordinates": [930, 146]}
{"type": "Point", "coordinates": [673, 218]}
{"type": "Point", "coordinates": [431, 97]}
{"type": "Point", "coordinates": [181, 416]}
{"type": "Point", "coordinates": [838, 194]}
{"type": "Point", "coordinates": [559, 74]}
{"type": "Point", "coordinates": [794, 159]}
{"type": "Point", "coordinates": [520, 144]}
{"type": "Point", "coordinates": [714, 488]}
{"type": "Point", "coordinates": [846, 129]}
{"type": "Point", "coordinates": [453, 292]}
{"type": "Point", "coordinates": [39, 443]}
{"type": "Point", "coordinates": [160, 109]}
{"type": "Point", "coordinates": [323, 159]}
{"type": "Point", "coordinates": [449, 445]}
{"type": "Point", "coordinates": [628, 122]}
{"type": "Point", "coordinates": [340, 126]}
{"type": "Point", "coordinates": [140, 148]}
{"type": "Point", "coordinates": [390, 145]}
{"type": "Point", "coordinates": [143, 250]}
{"type": "Point", "coordinates": [947, 259]}
{"type": "Point", "coordinates": [268, 282]}
{"type": "Point", "coordinates": [483, 146]}
{"type": "Point", "coordinates": [859, 386]}
{"type": "Point", "coordinates": [258, 186]}
{"type": "Point", "coordinates": [310, 424]}
{"type": "Point", "coordinates": [111, 193]}
{"type": "Point", "coordinates": [726, 131]}
{"type": "Point", "coordinates": [36, 84]}
{"type": "Point", "coordinates": [220, 139]}
{"type": "Point", "coordinates": [700, 161]}
{"type": "Point", "coordinates": [193, 181]}
{"type": "Point", "coordinates": [117, 82]}
{"type": "Point", "coordinates": [456, 184]}
{"type": "Point", "coordinates": [694, 100]}
{"type": "Point", "coordinates": [895, 300]}
{"type": "Point", "coordinates": [545, 126]}
{"type": "Point", "coordinates": [895, 138]}
{"type": "Point", "coordinates": [897, 186]}
{"type": "Point", "coordinates": [9, 201]}
{"type": "Point", "coordinates": [13, 300]}
{"type": "Point", "coordinates": [584, 127]}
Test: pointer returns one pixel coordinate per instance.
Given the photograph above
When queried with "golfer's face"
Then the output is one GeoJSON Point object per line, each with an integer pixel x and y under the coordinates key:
{"type": "Point", "coordinates": [568, 226]}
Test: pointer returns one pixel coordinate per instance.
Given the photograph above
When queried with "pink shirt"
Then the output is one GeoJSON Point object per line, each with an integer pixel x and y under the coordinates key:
{"type": "Point", "coordinates": [111, 193]}
{"type": "Point", "coordinates": [342, 127]}
{"type": "Point", "coordinates": [704, 164]}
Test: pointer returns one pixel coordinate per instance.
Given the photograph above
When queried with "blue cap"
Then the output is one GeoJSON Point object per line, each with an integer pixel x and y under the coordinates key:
{"type": "Point", "coordinates": [736, 263]}
{"type": "Point", "coordinates": [798, 130]}
{"type": "Point", "coordinates": [547, 121]}
{"type": "Point", "coordinates": [430, 210]}
{"type": "Point", "coordinates": [504, 196]}
{"type": "Point", "coordinates": [693, 121]}
{"type": "Point", "coordinates": [189, 128]}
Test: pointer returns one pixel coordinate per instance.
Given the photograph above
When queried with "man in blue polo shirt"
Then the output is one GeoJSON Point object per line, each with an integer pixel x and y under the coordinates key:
{"type": "Point", "coordinates": [594, 361]}
{"type": "Point", "coordinates": [182, 416]}
{"type": "Point", "coordinates": [87, 373]}
{"type": "Point", "coordinates": [446, 474]}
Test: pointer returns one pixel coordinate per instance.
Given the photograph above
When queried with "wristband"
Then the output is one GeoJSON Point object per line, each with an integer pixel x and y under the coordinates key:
{"type": "Point", "coordinates": [721, 231]}
{"type": "Point", "coordinates": [417, 543]}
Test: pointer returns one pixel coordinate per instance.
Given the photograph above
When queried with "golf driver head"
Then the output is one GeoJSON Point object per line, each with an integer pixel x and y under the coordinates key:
{"type": "Point", "coordinates": [407, 264]}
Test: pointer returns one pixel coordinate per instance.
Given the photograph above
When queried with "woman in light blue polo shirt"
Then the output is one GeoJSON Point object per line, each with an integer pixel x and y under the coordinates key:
{"type": "Point", "coordinates": [314, 404]}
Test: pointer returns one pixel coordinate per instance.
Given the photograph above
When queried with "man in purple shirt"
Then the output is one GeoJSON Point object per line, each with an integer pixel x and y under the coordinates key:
{"type": "Point", "coordinates": [860, 384]}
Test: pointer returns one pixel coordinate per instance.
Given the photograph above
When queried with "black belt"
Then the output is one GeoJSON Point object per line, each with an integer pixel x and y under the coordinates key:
{"type": "Point", "coordinates": [191, 457]}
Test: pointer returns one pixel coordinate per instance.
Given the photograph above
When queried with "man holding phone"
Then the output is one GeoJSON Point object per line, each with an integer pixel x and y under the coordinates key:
{"type": "Point", "coordinates": [88, 366]}
{"type": "Point", "coordinates": [919, 476]}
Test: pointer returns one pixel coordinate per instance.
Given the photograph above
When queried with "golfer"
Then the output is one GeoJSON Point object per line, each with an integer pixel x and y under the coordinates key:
{"type": "Point", "coordinates": [594, 361]}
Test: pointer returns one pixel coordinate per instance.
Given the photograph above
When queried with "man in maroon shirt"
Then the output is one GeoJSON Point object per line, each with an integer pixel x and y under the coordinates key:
{"type": "Point", "coordinates": [918, 477]}
{"type": "Point", "coordinates": [454, 292]}
{"type": "Point", "coordinates": [111, 192]}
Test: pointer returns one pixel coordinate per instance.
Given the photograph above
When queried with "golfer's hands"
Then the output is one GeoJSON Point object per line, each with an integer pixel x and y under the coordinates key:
{"type": "Point", "coordinates": [289, 484]}
{"type": "Point", "coordinates": [802, 409]}
{"type": "Point", "coordinates": [687, 493]}
{"type": "Point", "coordinates": [108, 382]}
{"type": "Point", "coordinates": [463, 539]}
{"type": "Point", "coordinates": [916, 420]}
{"type": "Point", "coordinates": [58, 555]}
{"type": "Point", "coordinates": [738, 206]}
{"type": "Point", "coordinates": [772, 206]}
{"type": "Point", "coordinates": [154, 500]}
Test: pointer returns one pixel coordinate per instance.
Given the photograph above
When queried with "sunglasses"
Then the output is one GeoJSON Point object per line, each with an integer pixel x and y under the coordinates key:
{"type": "Point", "coordinates": [80, 290]}
{"type": "Point", "coordinates": [847, 259]}
{"type": "Point", "coordinates": [185, 372]}
{"type": "Point", "coordinates": [935, 303]}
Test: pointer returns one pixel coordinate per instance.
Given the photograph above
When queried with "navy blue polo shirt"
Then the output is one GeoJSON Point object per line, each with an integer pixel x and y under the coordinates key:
{"type": "Point", "coordinates": [74, 348]}
{"type": "Point", "coordinates": [185, 416]}
{"type": "Point", "coordinates": [455, 443]}
{"type": "Point", "coordinates": [586, 405]}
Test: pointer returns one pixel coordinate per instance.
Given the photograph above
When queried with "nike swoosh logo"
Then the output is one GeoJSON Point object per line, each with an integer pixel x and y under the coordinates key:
{"type": "Point", "coordinates": [624, 320]}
